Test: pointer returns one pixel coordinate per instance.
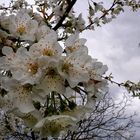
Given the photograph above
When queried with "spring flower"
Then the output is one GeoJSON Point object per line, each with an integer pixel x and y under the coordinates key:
{"type": "Point", "coordinates": [52, 82]}
{"type": "Point", "coordinates": [42, 31]}
{"type": "Point", "coordinates": [47, 47]}
{"type": "Point", "coordinates": [73, 43]}
{"type": "Point", "coordinates": [22, 26]}
{"type": "Point", "coordinates": [70, 67]}
{"type": "Point", "coordinates": [6, 60]}
{"type": "Point", "coordinates": [20, 95]}
{"type": "Point", "coordinates": [30, 118]}
{"type": "Point", "coordinates": [23, 66]}
{"type": "Point", "coordinates": [54, 125]}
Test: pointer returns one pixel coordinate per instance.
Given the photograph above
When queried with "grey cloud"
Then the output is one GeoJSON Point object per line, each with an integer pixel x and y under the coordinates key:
{"type": "Point", "coordinates": [116, 44]}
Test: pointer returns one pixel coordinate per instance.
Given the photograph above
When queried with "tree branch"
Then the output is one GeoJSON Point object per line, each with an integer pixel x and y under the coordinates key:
{"type": "Point", "coordinates": [102, 16]}
{"type": "Point", "coordinates": [65, 14]}
{"type": "Point", "coordinates": [33, 135]}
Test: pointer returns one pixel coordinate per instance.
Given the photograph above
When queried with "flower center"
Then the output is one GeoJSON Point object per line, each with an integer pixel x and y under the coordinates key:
{"type": "Point", "coordinates": [24, 90]}
{"type": "Point", "coordinates": [33, 67]}
{"type": "Point", "coordinates": [48, 52]}
{"type": "Point", "coordinates": [21, 29]}
{"type": "Point", "coordinates": [72, 48]}
{"type": "Point", "coordinates": [66, 67]}
{"type": "Point", "coordinates": [51, 71]}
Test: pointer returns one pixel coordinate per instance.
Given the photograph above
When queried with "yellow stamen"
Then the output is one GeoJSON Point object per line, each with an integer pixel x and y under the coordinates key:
{"type": "Point", "coordinates": [66, 67]}
{"type": "Point", "coordinates": [51, 72]}
{"type": "Point", "coordinates": [48, 52]}
{"type": "Point", "coordinates": [33, 67]}
{"type": "Point", "coordinates": [21, 29]}
{"type": "Point", "coordinates": [72, 49]}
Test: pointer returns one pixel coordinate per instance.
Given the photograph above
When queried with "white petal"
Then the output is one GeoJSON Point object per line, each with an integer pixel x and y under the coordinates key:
{"type": "Point", "coordinates": [30, 118]}
{"type": "Point", "coordinates": [52, 83]}
{"type": "Point", "coordinates": [24, 104]}
{"type": "Point", "coordinates": [55, 124]}
{"type": "Point", "coordinates": [7, 50]}
{"type": "Point", "coordinates": [71, 40]}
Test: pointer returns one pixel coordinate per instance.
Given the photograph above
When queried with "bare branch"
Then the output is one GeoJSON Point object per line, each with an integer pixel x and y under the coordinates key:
{"type": "Point", "coordinates": [65, 14]}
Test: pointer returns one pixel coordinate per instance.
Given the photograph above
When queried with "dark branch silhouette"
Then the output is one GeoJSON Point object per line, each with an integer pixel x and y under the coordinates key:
{"type": "Point", "coordinates": [107, 121]}
{"type": "Point", "coordinates": [65, 14]}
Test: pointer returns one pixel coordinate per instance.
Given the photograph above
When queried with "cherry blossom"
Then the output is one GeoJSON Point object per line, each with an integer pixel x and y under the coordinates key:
{"type": "Point", "coordinates": [53, 81]}
{"type": "Point", "coordinates": [22, 26]}
{"type": "Point", "coordinates": [54, 125]}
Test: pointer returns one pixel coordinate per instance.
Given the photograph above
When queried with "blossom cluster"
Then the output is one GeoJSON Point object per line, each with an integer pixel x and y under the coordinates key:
{"type": "Point", "coordinates": [50, 85]}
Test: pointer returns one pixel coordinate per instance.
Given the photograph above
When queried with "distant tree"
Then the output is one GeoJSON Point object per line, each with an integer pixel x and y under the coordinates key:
{"type": "Point", "coordinates": [107, 121]}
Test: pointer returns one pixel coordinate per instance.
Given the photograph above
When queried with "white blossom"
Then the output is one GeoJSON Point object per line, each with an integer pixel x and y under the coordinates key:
{"type": "Point", "coordinates": [66, 81]}
{"type": "Point", "coordinates": [73, 43]}
{"type": "Point", "coordinates": [70, 67]}
{"type": "Point", "coordinates": [98, 6]}
{"type": "Point", "coordinates": [52, 126]}
{"type": "Point", "coordinates": [52, 82]}
{"type": "Point", "coordinates": [22, 26]}
{"type": "Point", "coordinates": [6, 104]}
{"type": "Point", "coordinates": [20, 95]}
{"type": "Point", "coordinates": [79, 23]}
{"type": "Point", "coordinates": [6, 60]}
{"type": "Point", "coordinates": [19, 3]}
{"type": "Point", "coordinates": [47, 47]}
{"type": "Point", "coordinates": [43, 31]}
{"type": "Point", "coordinates": [30, 118]}
{"type": "Point", "coordinates": [23, 66]}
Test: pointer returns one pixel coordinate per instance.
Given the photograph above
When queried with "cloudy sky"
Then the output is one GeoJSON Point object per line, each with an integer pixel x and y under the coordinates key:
{"type": "Point", "coordinates": [117, 45]}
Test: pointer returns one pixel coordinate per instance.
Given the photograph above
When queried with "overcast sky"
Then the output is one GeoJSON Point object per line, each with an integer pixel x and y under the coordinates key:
{"type": "Point", "coordinates": [117, 45]}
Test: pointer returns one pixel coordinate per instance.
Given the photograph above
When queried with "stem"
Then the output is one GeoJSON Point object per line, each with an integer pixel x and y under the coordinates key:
{"type": "Point", "coordinates": [33, 135]}
{"type": "Point", "coordinates": [47, 102]}
{"type": "Point", "coordinates": [53, 97]}
{"type": "Point", "coordinates": [88, 26]}
{"type": "Point", "coordinates": [65, 14]}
